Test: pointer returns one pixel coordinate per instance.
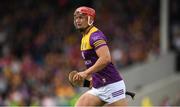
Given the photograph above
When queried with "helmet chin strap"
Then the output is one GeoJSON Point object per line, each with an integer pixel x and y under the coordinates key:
{"type": "Point", "coordinates": [90, 23]}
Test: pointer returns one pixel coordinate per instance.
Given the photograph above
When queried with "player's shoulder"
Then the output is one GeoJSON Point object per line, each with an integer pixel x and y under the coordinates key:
{"type": "Point", "coordinates": [98, 34]}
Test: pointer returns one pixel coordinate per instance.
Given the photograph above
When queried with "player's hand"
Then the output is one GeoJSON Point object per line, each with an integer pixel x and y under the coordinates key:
{"type": "Point", "coordinates": [75, 80]}
{"type": "Point", "coordinates": [83, 74]}
{"type": "Point", "coordinates": [77, 77]}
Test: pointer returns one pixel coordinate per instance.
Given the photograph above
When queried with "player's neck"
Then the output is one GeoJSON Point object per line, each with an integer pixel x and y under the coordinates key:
{"type": "Point", "coordinates": [87, 30]}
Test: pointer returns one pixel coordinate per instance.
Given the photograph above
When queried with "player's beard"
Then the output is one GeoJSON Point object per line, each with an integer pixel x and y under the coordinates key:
{"type": "Point", "coordinates": [82, 29]}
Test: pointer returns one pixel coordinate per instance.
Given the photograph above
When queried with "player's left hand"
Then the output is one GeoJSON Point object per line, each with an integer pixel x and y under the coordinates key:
{"type": "Point", "coordinates": [75, 80]}
{"type": "Point", "coordinates": [83, 74]}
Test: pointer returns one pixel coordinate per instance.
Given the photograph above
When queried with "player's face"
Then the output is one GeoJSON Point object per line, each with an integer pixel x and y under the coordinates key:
{"type": "Point", "coordinates": [80, 21]}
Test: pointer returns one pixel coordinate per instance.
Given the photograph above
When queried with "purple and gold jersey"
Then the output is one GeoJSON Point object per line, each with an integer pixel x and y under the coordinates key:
{"type": "Point", "coordinates": [89, 43]}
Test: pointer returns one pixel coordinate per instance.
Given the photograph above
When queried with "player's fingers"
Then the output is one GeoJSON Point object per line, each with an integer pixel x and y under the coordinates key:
{"type": "Point", "coordinates": [79, 78]}
{"type": "Point", "coordinates": [76, 78]}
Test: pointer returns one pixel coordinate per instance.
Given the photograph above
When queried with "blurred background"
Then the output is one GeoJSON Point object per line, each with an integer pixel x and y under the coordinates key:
{"type": "Point", "coordinates": [39, 46]}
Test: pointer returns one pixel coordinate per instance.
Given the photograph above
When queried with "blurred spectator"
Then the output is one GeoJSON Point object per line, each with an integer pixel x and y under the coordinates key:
{"type": "Point", "coordinates": [165, 102]}
{"type": "Point", "coordinates": [177, 100]}
{"type": "Point", "coordinates": [3, 39]}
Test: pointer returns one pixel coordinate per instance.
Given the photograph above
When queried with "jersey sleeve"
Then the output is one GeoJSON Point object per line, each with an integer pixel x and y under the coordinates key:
{"type": "Point", "coordinates": [97, 40]}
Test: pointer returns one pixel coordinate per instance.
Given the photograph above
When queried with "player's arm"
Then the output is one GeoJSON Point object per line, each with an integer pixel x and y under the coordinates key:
{"type": "Point", "coordinates": [104, 59]}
